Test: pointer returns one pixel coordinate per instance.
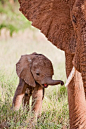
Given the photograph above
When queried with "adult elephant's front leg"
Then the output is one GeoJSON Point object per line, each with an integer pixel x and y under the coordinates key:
{"type": "Point", "coordinates": [76, 98]}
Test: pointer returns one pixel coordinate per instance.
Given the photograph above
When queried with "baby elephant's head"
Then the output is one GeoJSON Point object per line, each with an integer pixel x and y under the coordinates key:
{"type": "Point", "coordinates": [36, 68]}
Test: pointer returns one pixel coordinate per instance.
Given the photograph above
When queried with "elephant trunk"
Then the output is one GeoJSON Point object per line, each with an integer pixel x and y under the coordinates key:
{"type": "Point", "coordinates": [80, 56]}
{"type": "Point", "coordinates": [50, 81]}
{"type": "Point", "coordinates": [79, 24]}
{"type": "Point", "coordinates": [80, 27]}
{"type": "Point", "coordinates": [83, 58]}
{"type": "Point", "coordinates": [76, 97]}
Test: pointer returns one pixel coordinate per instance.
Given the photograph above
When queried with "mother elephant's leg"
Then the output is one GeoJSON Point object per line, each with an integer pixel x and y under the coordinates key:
{"type": "Point", "coordinates": [76, 98]}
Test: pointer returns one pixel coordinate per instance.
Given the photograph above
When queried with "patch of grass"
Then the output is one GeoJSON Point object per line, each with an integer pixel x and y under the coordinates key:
{"type": "Point", "coordinates": [55, 104]}
{"type": "Point", "coordinates": [54, 112]}
{"type": "Point", "coordinates": [2, 9]}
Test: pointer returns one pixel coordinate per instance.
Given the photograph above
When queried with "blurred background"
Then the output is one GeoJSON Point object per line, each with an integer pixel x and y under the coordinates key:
{"type": "Point", "coordinates": [18, 37]}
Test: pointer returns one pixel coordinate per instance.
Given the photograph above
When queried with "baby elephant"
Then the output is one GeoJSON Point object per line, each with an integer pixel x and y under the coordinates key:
{"type": "Point", "coordinates": [35, 73]}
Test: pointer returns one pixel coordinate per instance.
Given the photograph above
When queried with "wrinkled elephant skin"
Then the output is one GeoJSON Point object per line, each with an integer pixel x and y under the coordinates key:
{"type": "Point", "coordinates": [63, 22]}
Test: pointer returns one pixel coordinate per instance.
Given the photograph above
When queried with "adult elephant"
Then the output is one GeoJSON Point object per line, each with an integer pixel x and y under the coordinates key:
{"type": "Point", "coordinates": [63, 22]}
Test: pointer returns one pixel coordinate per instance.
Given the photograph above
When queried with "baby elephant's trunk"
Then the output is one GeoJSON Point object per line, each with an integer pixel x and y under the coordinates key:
{"type": "Point", "coordinates": [50, 81]}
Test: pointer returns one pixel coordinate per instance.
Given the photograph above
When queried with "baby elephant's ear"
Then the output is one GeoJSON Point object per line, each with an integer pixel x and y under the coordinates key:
{"type": "Point", "coordinates": [23, 69]}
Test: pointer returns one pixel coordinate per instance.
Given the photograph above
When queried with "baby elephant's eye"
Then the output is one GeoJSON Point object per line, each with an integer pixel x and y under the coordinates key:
{"type": "Point", "coordinates": [38, 74]}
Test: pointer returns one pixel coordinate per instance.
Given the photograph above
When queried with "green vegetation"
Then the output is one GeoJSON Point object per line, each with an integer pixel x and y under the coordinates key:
{"type": "Point", "coordinates": [11, 18]}
{"type": "Point", "coordinates": [55, 105]}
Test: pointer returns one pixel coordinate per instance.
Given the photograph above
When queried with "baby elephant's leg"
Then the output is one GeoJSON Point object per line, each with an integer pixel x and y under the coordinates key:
{"type": "Point", "coordinates": [19, 94]}
{"type": "Point", "coordinates": [37, 98]}
{"type": "Point", "coordinates": [26, 98]}
{"type": "Point", "coordinates": [40, 110]}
